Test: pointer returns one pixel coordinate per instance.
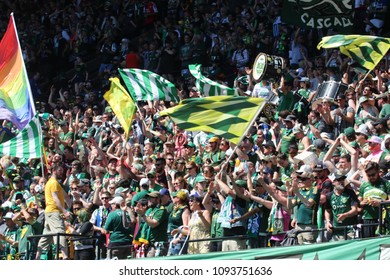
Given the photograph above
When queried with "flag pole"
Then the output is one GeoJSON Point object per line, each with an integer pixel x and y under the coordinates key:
{"type": "Point", "coordinates": [246, 131]}
{"type": "Point", "coordinates": [24, 66]}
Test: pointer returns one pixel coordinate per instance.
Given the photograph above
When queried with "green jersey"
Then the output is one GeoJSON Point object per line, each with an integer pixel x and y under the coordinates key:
{"type": "Point", "coordinates": [307, 215]}
{"type": "Point", "coordinates": [379, 190]}
{"type": "Point", "coordinates": [159, 233]}
{"type": "Point", "coordinates": [340, 204]}
{"type": "Point", "coordinates": [287, 138]}
{"type": "Point", "coordinates": [115, 225]}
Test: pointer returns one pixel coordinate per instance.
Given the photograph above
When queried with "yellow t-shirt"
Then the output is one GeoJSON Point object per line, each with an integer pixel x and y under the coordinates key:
{"type": "Point", "coordinates": [53, 186]}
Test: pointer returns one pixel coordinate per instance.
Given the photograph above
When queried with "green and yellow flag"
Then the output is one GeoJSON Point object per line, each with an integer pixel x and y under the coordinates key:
{"type": "Point", "coordinates": [121, 103]}
{"type": "Point", "coordinates": [225, 116]}
{"type": "Point", "coordinates": [365, 50]}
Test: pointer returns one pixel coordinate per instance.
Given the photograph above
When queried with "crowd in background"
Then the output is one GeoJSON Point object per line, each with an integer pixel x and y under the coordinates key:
{"type": "Point", "coordinates": [308, 164]}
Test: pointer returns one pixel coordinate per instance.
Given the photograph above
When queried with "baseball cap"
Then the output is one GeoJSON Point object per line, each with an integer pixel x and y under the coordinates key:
{"type": "Point", "coordinates": [297, 129]}
{"type": "Point", "coordinates": [349, 131]}
{"type": "Point", "coordinates": [116, 200]}
{"type": "Point", "coordinates": [304, 169]}
{"type": "Point", "coordinates": [153, 194]}
{"type": "Point", "coordinates": [9, 215]}
{"type": "Point", "coordinates": [375, 139]}
{"type": "Point", "coordinates": [199, 179]}
{"type": "Point", "coordinates": [182, 194]}
{"type": "Point", "coordinates": [144, 181]}
{"type": "Point", "coordinates": [363, 99]}
{"type": "Point", "coordinates": [290, 118]}
{"type": "Point", "coordinates": [190, 145]}
{"type": "Point", "coordinates": [83, 182]}
{"type": "Point", "coordinates": [304, 79]}
{"type": "Point", "coordinates": [121, 190]}
{"type": "Point", "coordinates": [164, 191]}
{"type": "Point", "coordinates": [320, 166]}
{"type": "Point", "coordinates": [362, 129]}
{"type": "Point", "coordinates": [241, 183]}
{"type": "Point", "coordinates": [214, 139]}
{"type": "Point", "coordinates": [98, 119]}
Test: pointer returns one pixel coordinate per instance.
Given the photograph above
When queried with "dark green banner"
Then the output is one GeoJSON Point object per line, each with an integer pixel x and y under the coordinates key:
{"type": "Point", "coordinates": [358, 249]}
{"type": "Point", "coordinates": [336, 14]}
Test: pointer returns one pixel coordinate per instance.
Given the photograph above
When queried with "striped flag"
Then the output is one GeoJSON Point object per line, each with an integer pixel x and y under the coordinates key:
{"type": "Point", "coordinates": [225, 116]}
{"type": "Point", "coordinates": [365, 50]}
{"type": "Point", "coordinates": [27, 143]}
{"type": "Point", "coordinates": [206, 86]}
{"type": "Point", "coordinates": [122, 104]}
{"type": "Point", "coordinates": [146, 85]}
{"type": "Point", "coordinates": [16, 101]}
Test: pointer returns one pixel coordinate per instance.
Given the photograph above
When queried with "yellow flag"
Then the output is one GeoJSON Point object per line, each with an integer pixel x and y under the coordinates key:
{"type": "Point", "coordinates": [121, 104]}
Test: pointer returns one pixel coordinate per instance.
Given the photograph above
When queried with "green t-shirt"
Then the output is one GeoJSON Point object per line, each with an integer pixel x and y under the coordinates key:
{"type": "Point", "coordinates": [339, 204]}
{"type": "Point", "coordinates": [287, 138]}
{"type": "Point", "coordinates": [216, 229]}
{"type": "Point", "coordinates": [175, 218]}
{"type": "Point", "coordinates": [379, 190]}
{"type": "Point", "coordinates": [114, 224]}
{"type": "Point", "coordinates": [64, 137]}
{"type": "Point", "coordinates": [25, 231]}
{"type": "Point", "coordinates": [384, 111]}
{"type": "Point", "coordinates": [159, 233]}
{"type": "Point", "coordinates": [305, 215]}
{"type": "Point", "coordinates": [286, 101]}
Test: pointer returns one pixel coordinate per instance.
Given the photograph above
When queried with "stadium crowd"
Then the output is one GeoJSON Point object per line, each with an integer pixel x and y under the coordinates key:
{"type": "Point", "coordinates": [313, 168]}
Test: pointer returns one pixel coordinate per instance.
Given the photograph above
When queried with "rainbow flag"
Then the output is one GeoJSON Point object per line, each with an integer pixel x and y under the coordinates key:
{"type": "Point", "coordinates": [16, 101]}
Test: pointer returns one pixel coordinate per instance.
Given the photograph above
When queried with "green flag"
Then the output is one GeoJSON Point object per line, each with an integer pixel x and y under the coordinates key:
{"type": "Point", "coordinates": [27, 143]}
{"type": "Point", "coordinates": [225, 116]}
{"type": "Point", "coordinates": [206, 86]}
{"type": "Point", "coordinates": [336, 14]}
{"type": "Point", "coordinates": [365, 50]}
{"type": "Point", "coordinates": [146, 85]}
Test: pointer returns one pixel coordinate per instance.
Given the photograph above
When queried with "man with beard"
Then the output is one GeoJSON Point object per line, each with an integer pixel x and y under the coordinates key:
{"type": "Point", "coordinates": [155, 225]}
{"type": "Point", "coordinates": [161, 177]}
{"type": "Point", "coordinates": [305, 203]}
{"type": "Point", "coordinates": [341, 208]}
{"type": "Point", "coordinates": [55, 212]}
{"type": "Point", "coordinates": [371, 194]}
{"type": "Point", "coordinates": [287, 136]}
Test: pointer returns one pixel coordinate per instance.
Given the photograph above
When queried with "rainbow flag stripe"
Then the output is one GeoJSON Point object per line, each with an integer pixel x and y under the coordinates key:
{"type": "Point", "coordinates": [16, 102]}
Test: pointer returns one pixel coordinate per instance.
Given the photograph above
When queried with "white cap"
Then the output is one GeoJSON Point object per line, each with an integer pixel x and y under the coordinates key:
{"type": "Point", "coordinates": [116, 200]}
{"type": "Point", "coordinates": [304, 169]}
{"type": "Point", "coordinates": [9, 215]}
{"type": "Point", "coordinates": [144, 181]}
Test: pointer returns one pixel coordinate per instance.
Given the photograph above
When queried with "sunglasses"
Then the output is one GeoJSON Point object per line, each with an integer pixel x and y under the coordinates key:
{"type": "Point", "coordinates": [300, 179]}
{"type": "Point", "coordinates": [371, 174]}
{"type": "Point", "coordinates": [180, 162]}
{"type": "Point", "coordinates": [150, 177]}
{"type": "Point", "coordinates": [105, 198]}
{"type": "Point", "coordinates": [189, 168]}
{"type": "Point", "coordinates": [169, 158]}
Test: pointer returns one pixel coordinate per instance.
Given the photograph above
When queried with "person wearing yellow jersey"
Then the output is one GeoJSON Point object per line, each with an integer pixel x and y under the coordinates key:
{"type": "Point", "coordinates": [55, 213]}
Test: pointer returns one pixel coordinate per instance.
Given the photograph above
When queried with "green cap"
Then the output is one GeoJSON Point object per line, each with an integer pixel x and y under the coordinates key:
{"type": "Point", "coordinates": [349, 131]}
{"type": "Point", "coordinates": [199, 179]}
{"type": "Point", "coordinates": [241, 183]}
{"type": "Point", "coordinates": [190, 144]}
